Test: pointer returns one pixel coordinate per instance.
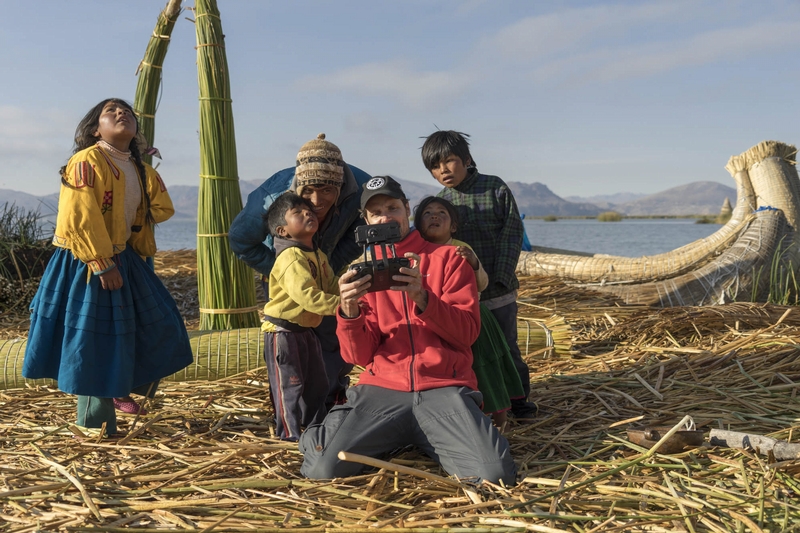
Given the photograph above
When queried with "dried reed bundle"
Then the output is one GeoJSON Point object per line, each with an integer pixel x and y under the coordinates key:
{"type": "Point", "coordinates": [226, 287]}
{"type": "Point", "coordinates": [548, 337]}
{"type": "Point", "coordinates": [688, 325]}
{"type": "Point", "coordinates": [568, 315]}
{"type": "Point", "coordinates": [149, 71]}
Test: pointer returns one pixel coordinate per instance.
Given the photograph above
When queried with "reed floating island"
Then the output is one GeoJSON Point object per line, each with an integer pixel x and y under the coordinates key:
{"type": "Point", "coordinates": [205, 457]}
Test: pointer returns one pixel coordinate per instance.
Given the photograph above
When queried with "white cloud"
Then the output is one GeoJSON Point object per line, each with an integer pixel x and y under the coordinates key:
{"type": "Point", "coordinates": [553, 34]}
{"type": "Point", "coordinates": [365, 123]}
{"type": "Point", "coordinates": [467, 7]}
{"type": "Point", "coordinates": [648, 59]}
{"type": "Point", "coordinates": [25, 133]}
{"type": "Point", "coordinates": [397, 80]}
{"type": "Point", "coordinates": [34, 144]}
{"type": "Point", "coordinates": [621, 41]}
{"type": "Point", "coordinates": [600, 43]}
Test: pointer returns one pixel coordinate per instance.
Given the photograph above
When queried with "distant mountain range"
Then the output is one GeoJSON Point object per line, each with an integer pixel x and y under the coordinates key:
{"type": "Point", "coordinates": [697, 198]}
{"type": "Point", "coordinates": [533, 200]}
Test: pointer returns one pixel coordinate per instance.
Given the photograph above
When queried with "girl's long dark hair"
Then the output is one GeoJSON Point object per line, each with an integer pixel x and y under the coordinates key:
{"type": "Point", "coordinates": [84, 138]}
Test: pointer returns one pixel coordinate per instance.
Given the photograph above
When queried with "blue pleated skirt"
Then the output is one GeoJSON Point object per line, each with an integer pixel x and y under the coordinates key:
{"type": "Point", "coordinates": [97, 342]}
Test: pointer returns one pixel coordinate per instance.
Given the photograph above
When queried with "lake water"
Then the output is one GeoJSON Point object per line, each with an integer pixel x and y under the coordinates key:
{"type": "Point", "coordinates": [629, 237]}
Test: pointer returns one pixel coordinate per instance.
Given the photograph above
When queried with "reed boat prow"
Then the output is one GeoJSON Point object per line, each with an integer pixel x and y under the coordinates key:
{"type": "Point", "coordinates": [738, 262]}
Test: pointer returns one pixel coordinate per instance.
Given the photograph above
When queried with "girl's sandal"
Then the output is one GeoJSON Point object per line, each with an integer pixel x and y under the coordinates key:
{"type": "Point", "coordinates": [129, 405]}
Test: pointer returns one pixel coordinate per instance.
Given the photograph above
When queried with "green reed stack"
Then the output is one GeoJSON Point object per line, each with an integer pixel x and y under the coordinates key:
{"type": "Point", "coordinates": [149, 71]}
{"type": "Point", "coordinates": [226, 286]}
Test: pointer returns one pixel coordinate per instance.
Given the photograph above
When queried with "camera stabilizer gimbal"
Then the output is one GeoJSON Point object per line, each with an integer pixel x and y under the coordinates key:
{"type": "Point", "coordinates": [381, 270]}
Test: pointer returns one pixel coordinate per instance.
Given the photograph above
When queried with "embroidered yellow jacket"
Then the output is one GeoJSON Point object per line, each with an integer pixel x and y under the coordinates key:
{"type": "Point", "coordinates": [91, 210]}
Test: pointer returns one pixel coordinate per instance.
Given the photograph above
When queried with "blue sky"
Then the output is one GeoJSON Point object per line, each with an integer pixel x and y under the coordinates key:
{"type": "Point", "coordinates": [585, 97]}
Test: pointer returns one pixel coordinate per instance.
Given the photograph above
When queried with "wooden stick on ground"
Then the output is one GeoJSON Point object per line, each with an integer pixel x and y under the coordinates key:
{"type": "Point", "coordinates": [782, 450]}
{"type": "Point", "coordinates": [377, 463]}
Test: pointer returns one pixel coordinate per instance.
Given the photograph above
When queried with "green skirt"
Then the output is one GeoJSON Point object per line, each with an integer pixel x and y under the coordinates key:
{"type": "Point", "coordinates": [498, 379]}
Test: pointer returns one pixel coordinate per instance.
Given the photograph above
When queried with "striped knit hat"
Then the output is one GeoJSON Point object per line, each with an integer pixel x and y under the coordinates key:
{"type": "Point", "coordinates": [319, 162]}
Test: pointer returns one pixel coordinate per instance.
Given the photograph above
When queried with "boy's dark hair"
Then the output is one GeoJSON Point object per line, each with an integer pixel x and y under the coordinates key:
{"type": "Point", "coordinates": [428, 200]}
{"type": "Point", "coordinates": [276, 213]}
{"type": "Point", "coordinates": [441, 144]}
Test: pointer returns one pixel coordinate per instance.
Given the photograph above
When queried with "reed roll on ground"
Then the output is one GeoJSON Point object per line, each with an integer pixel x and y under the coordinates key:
{"type": "Point", "coordinates": [149, 72]}
{"type": "Point", "coordinates": [217, 355]}
{"type": "Point", "coordinates": [226, 287]}
{"type": "Point", "coordinates": [12, 354]}
{"type": "Point", "coordinates": [222, 354]}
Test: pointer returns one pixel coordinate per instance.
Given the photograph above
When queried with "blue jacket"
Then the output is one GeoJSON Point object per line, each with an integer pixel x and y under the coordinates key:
{"type": "Point", "coordinates": [251, 242]}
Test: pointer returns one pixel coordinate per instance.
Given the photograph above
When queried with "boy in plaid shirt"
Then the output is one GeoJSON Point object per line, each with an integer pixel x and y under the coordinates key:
{"type": "Point", "coordinates": [490, 223]}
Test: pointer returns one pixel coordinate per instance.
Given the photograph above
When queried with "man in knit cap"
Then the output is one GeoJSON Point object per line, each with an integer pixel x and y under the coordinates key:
{"type": "Point", "coordinates": [319, 174]}
{"type": "Point", "coordinates": [334, 189]}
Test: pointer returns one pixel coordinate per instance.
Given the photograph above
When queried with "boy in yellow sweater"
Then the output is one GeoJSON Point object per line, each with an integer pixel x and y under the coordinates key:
{"type": "Point", "coordinates": [302, 288]}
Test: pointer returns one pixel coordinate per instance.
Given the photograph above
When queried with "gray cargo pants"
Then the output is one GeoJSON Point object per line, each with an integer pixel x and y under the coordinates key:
{"type": "Point", "coordinates": [446, 423]}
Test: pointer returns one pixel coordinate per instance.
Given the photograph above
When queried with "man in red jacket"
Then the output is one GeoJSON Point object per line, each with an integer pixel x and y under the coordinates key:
{"type": "Point", "coordinates": [413, 341]}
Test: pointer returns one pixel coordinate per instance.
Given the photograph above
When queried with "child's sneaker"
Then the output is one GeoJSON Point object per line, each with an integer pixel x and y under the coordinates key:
{"type": "Point", "coordinates": [129, 405]}
{"type": "Point", "coordinates": [524, 410]}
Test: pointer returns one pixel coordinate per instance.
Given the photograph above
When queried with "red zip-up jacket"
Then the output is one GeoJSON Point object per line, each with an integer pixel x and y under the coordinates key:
{"type": "Point", "coordinates": [404, 349]}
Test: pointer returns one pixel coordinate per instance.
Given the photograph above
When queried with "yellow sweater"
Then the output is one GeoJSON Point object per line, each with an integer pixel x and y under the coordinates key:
{"type": "Point", "coordinates": [91, 210]}
{"type": "Point", "coordinates": [302, 287]}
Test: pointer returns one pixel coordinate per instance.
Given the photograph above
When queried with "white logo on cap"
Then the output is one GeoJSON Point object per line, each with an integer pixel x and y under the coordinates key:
{"type": "Point", "coordinates": [375, 183]}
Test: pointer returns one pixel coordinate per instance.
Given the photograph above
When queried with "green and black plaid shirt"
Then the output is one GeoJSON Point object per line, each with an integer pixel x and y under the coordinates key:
{"type": "Point", "coordinates": [489, 221]}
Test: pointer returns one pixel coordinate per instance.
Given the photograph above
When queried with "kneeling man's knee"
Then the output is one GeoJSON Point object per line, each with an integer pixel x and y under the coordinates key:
{"type": "Point", "coordinates": [504, 470]}
{"type": "Point", "coordinates": [317, 467]}
{"type": "Point", "coordinates": [320, 458]}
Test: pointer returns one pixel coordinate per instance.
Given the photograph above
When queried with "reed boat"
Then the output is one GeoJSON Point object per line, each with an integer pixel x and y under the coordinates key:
{"type": "Point", "coordinates": [748, 259]}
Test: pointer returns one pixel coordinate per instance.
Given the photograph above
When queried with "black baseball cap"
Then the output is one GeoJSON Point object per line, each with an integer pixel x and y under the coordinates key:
{"type": "Point", "coordinates": [381, 185]}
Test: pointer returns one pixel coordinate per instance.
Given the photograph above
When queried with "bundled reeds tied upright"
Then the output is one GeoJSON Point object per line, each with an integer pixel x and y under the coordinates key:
{"type": "Point", "coordinates": [149, 71]}
{"type": "Point", "coordinates": [226, 286]}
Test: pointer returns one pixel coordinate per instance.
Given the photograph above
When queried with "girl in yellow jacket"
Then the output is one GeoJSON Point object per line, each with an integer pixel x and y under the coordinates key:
{"type": "Point", "coordinates": [102, 323]}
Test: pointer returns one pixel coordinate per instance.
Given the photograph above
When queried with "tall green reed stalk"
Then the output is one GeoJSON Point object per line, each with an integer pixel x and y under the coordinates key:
{"type": "Point", "coordinates": [226, 286]}
{"type": "Point", "coordinates": [145, 102]}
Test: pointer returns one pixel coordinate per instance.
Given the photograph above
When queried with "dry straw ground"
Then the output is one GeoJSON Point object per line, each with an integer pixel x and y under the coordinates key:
{"type": "Point", "coordinates": [205, 458]}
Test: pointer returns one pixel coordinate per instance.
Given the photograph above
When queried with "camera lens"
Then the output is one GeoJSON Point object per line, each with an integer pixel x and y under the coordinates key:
{"type": "Point", "coordinates": [372, 233]}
